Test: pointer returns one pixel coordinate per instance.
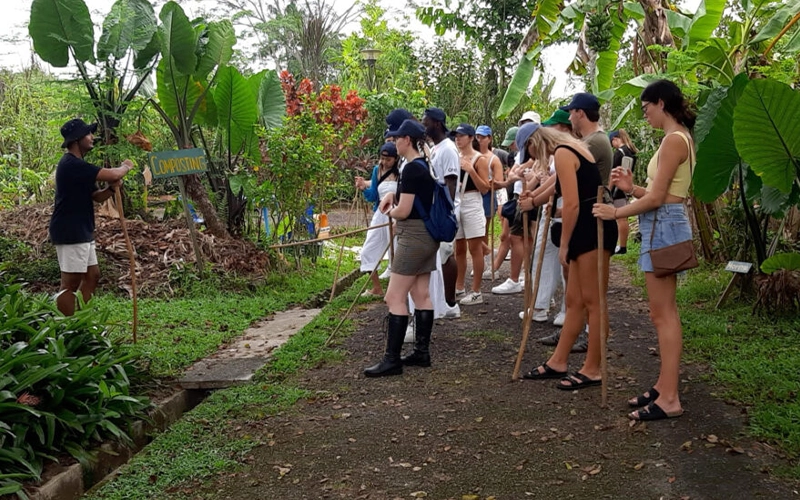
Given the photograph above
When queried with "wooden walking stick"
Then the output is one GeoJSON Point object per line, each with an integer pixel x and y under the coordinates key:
{"type": "Point", "coordinates": [349, 309]}
{"type": "Point", "coordinates": [491, 231]}
{"type": "Point", "coordinates": [526, 315]}
{"type": "Point", "coordinates": [129, 246]}
{"type": "Point", "coordinates": [601, 271]}
{"type": "Point", "coordinates": [338, 266]}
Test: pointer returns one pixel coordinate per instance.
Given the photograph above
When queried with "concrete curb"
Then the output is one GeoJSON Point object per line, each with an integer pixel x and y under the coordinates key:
{"type": "Point", "coordinates": [76, 480]}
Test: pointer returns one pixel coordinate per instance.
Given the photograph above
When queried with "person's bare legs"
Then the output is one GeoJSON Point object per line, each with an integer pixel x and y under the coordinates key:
{"type": "Point", "coordinates": [517, 256]}
{"type": "Point", "coordinates": [586, 275]}
{"type": "Point", "coordinates": [396, 297]}
{"type": "Point", "coordinates": [420, 292]}
{"type": "Point", "coordinates": [70, 283]}
{"type": "Point", "coordinates": [476, 252]}
{"type": "Point", "coordinates": [505, 245]}
{"type": "Point", "coordinates": [377, 289]}
{"type": "Point", "coordinates": [89, 283]}
{"type": "Point", "coordinates": [666, 319]}
{"type": "Point", "coordinates": [574, 322]}
{"type": "Point", "coordinates": [461, 263]}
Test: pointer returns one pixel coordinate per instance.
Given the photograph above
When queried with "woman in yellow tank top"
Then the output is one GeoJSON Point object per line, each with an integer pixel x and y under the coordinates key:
{"type": "Point", "coordinates": [662, 219]}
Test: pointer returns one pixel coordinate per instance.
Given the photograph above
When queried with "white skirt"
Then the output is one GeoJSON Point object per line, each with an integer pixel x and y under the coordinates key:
{"type": "Point", "coordinates": [375, 243]}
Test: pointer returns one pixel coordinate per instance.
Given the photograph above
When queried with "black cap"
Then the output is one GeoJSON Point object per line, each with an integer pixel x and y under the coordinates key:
{"type": "Point", "coordinates": [582, 100]}
{"type": "Point", "coordinates": [388, 149]}
{"type": "Point", "coordinates": [396, 117]}
{"type": "Point", "coordinates": [437, 115]}
{"type": "Point", "coordinates": [410, 128]}
{"type": "Point", "coordinates": [75, 130]}
{"type": "Point", "coordinates": [465, 129]}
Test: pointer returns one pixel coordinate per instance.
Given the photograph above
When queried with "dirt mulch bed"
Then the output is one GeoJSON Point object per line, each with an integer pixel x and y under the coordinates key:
{"type": "Point", "coordinates": [463, 430]}
{"type": "Point", "coordinates": [158, 246]}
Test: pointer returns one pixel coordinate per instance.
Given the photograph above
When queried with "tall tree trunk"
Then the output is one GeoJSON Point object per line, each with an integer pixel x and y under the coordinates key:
{"type": "Point", "coordinates": [198, 194]}
{"type": "Point", "coordinates": [655, 31]}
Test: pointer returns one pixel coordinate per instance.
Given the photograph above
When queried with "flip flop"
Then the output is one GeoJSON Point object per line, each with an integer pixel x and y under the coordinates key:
{"type": "Point", "coordinates": [582, 382]}
{"type": "Point", "coordinates": [645, 400]}
{"type": "Point", "coordinates": [653, 412]}
{"type": "Point", "coordinates": [548, 373]}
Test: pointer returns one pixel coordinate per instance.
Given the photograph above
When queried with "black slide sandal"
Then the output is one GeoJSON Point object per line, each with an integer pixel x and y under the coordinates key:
{"type": "Point", "coordinates": [644, 400]}
{"type": "Point", "coordinates": [548, 373]}
{"type": "Point", "coordinates": [577, 381]}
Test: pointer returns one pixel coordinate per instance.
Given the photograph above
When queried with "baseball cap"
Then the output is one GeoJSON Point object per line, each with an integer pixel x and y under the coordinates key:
{"type": "Point", "coordinates": [511, 134]}
{"type": "Point", "coordinates": [389, 149]}
{"type": "Point", "coordinates": [582, 100]}
{"type": "Point", "coordinates": [76, 129]}
{"type": "Point", "coordinates": [559, 116]}
{"type": "Point", "coordinates": [530, 116]}
{"type": "Point", "coordinates": [396, 117]}
{"type": "Point", "coordinates": [483, 130]}
{"type": "Point", "coordinates": [410, 128]}
{"type": "Point", "coordinates": [523, 134]}
{"type": "Point", "coordinates": [613, 134]}
{"type": "Point", "coordinates": [465, 129]}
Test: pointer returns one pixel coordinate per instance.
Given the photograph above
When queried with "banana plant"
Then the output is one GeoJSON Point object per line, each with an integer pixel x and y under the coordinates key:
{"type": "Point", "coordinates": [114, 68]}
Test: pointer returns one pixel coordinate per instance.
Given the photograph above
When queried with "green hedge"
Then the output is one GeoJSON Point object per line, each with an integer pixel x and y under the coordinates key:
{"type": "Point", "coordinates": [63, 388]}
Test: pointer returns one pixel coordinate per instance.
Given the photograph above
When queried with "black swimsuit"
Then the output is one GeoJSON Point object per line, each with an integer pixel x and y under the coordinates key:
{"type": "Point", "coordinates": [584, 236]}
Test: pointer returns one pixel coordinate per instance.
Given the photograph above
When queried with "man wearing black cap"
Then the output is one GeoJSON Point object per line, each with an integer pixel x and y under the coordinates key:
{"type": "Point", "coordinates": [584, 113]}
{"type": "Point", "coordinates": [72, 223]}
{"type": "Point", "coordinates": [446, 165]}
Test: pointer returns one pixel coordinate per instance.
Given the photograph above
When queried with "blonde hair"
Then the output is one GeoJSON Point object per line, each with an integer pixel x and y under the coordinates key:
{"type": "Point", "coordinates": [626, 139]}
{"type": "Point", "coordinates": [545, 140]}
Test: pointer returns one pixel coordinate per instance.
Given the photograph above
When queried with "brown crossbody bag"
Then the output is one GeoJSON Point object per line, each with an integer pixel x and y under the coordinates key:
{"type": "Point", "coordinates": [675, 258]}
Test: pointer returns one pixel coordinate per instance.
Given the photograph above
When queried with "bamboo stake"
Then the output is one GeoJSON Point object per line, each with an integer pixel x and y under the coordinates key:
{"type": "Point", "coordinates": [350, 309]}
{"type": "Point", "coordinates": [332, 237]}
{"type": "Point", "coordinates": [526, 316]}
{"type": "Point", "coordinates": [129, 246]}
{"type": "Point", "coordinates": [601, 255]}
{"type": "Point", "coordinates": [338, 266]}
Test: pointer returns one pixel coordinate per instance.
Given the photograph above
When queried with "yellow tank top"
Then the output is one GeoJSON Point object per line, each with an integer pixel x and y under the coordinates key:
{"type": "Point", "coordinates": [683, 175]}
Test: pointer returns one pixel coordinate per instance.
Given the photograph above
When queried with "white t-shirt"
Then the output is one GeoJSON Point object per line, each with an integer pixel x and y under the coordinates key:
{"type": "Point", "coordinates": [444, 160]}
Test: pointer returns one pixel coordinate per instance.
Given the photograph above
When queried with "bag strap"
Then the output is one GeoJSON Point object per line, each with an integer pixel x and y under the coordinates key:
{"type": "Point", "coordinates": [475, 159]}
{"type": "Point", "coordinates": [391, 171]}
{"type": "Point", "coordinates": [691, 174]}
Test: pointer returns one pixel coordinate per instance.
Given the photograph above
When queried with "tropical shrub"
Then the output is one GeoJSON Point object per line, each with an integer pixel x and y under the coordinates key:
{"type": "Point", "coordinates": [63, 387]}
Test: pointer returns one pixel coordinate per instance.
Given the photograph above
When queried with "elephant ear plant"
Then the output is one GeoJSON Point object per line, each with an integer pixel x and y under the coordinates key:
{"type": "Point", "coordinates": [64, 387]}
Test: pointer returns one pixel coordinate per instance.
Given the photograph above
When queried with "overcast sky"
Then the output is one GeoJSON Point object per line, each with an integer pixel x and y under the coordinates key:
{"type": "Point", "coordinates": [15, 44]}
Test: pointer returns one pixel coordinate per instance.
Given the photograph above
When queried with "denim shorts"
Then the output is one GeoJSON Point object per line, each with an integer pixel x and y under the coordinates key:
{"type": "Point", "coordinates": [487, 204]}
{"type": "Point", "coordinates": [672, 226]}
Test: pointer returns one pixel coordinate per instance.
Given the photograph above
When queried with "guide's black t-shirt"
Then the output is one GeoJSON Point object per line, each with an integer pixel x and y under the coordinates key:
{"type": "Point", "coordinates": [416, 179]}
{"type": "Point", "coordinates": [73, 216]}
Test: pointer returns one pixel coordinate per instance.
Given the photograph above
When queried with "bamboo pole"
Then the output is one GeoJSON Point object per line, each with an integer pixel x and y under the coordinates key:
{"type": "Point", "coordinates": [129, 246]}
{"type": "Point", "coordinates": [358, 295]}
{"type": "Point", "coordinates": [601, 271]}
{"type": "Point", "coordinates": [338, 266]}
{"type": "Point", "coordinates": [526, 315]}
{"type": "Point", "coordinates": [332, 237]}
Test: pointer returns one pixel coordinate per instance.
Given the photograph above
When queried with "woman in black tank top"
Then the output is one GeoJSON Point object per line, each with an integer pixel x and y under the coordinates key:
{"type": "Point", "coordinates": [577, 181]}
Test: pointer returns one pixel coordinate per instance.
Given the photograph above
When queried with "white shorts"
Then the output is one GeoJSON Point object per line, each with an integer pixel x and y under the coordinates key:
{"type": "Point", "coordinates": [471, 219]}
{"type": "Point", "coordinates": [77, 257]}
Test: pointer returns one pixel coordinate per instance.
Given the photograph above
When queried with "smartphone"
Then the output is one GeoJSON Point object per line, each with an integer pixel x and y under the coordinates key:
{"type": "Point", "coordinates": [627, 163]}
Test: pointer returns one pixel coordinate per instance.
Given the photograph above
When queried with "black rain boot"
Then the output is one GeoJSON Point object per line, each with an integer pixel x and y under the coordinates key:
{"type": "Point", "coordinates": [421, 355]}
{"type": "Point", "coordinates": [391, 364]}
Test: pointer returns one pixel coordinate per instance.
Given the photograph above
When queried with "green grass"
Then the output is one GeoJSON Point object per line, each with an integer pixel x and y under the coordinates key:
{"type": "Point", "coordinates": [206, 441]}
{"type": "Point", "coordinates": [754, 358]}
{"type": "Point", "coordinates": [174, 333]}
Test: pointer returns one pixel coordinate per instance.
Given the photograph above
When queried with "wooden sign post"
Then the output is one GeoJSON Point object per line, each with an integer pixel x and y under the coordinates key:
{"type": "Point", "coordinates": [165, 164]}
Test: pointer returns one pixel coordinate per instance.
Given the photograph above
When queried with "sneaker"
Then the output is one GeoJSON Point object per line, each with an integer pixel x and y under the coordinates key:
{"type": "Point", "coordinates": [452, 312]}
{"type": "Point", "coordinates": [550, 339]}
{"type": "Point", "coordinates": [559, 321]}
{"type": "Point", "coordinates": [409, 339]}
{"type": "Point", "coordinates": [386, 274]}
{"type": "Point", "coordinates": [507, 288]}
{"type": "Point", "coordinates": [487, 275]}
{"type": "Point", "coordinates": [620, 250]}
{"type": "Point", "coordinates": [471, 299]}
{"type": "Point", "coordinates": [539, 315]}
{"type": "Point", "coordinates": [461, 292]}
{"type": "Point", "coordinates": [582, 343]}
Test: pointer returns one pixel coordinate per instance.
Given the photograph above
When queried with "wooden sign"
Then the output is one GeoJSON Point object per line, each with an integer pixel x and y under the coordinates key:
{"type": "Point", "coordinates": [175, 163]}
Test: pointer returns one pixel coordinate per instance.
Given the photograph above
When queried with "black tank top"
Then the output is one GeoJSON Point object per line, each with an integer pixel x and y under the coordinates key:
{"type": "Point", "coordinates": [470, 183]}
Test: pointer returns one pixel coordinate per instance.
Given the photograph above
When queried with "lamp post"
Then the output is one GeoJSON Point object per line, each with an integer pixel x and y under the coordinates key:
{"type": "Point", "coordinates": [370, 55]}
